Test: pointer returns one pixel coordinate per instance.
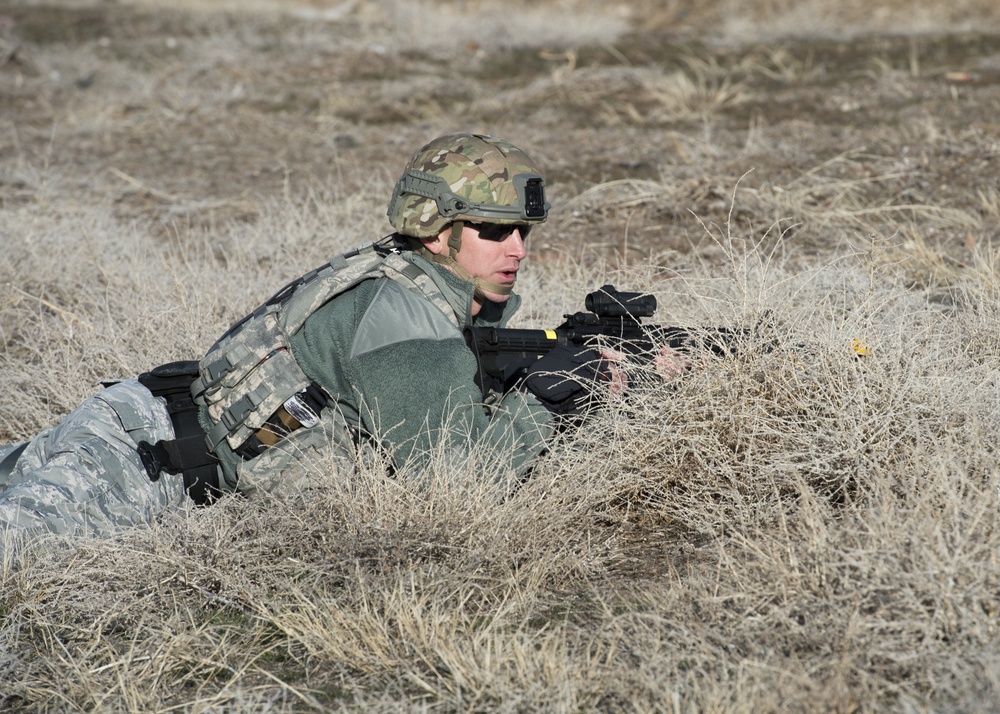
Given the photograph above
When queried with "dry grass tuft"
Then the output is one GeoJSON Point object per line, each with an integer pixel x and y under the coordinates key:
{"type": "Point", "coordinates": [789, 524]}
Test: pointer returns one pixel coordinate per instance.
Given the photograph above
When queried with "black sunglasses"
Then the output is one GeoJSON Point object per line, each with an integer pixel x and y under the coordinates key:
{"type": "Point", "coordinates": [499, 232]}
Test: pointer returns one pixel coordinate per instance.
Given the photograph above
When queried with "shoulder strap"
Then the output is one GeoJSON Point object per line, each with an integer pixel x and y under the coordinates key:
{"type": "Point", "coordinates": [403, 271]}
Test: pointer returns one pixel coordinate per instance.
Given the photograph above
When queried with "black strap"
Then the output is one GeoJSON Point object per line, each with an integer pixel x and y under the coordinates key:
{"type": "Point", "coordinates": [187, 453]}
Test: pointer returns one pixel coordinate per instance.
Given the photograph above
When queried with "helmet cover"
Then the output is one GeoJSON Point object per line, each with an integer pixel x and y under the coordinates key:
{"type": "Point", "coordinates": [466, 177]}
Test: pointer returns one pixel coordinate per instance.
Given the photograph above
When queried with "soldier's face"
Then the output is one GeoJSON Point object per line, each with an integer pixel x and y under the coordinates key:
{"type": "Point", "coordinates": [496, 261]}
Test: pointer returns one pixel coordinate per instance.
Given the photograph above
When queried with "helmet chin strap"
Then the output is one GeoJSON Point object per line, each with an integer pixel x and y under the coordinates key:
{"type": "Point", "coordinates": [455, 244]}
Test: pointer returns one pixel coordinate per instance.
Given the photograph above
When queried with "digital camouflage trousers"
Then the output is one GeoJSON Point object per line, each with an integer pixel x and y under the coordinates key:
{"type": "Point", "coordinates": [84, 475]}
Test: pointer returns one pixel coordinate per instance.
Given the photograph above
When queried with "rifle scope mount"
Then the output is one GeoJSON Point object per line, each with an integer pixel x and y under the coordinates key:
{"type": "Point", "coordinates": [609, 302]}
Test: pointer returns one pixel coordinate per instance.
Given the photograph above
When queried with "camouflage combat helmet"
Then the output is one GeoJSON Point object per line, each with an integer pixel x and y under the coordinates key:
{"type": "Point", "coordinates": [459, 178]}
{"type": "Point", "coordinates": [466, 176]}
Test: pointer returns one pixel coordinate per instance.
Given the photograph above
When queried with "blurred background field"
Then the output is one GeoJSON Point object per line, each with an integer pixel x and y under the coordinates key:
{"type": "Point", "coordinates": [794, 529]}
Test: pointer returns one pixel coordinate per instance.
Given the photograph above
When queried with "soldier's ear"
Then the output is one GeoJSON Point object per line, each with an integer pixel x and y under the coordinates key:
{"type": "Point", "coordinates": [439, 243]}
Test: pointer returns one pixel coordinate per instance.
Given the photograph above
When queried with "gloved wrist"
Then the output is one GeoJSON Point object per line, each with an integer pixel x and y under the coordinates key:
{"type": "Point", "coordinates": [564, 380]}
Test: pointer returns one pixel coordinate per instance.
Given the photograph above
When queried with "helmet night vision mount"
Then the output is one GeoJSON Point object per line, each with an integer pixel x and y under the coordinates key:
{"type": "Point", "coordinates": [529, 207]}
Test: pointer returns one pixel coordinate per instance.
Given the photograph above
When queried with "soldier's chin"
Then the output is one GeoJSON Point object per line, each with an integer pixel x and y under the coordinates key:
{"type": "Point", "coordinates": [495, 297]}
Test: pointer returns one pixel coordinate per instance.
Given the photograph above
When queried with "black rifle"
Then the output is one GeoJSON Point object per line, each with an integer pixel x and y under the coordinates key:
{"type": "Point", "coordinates": [613, 318]}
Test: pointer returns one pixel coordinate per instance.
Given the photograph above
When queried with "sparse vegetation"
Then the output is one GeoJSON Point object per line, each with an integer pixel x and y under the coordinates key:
{"type": "Point", "coordinates": [794, 528]}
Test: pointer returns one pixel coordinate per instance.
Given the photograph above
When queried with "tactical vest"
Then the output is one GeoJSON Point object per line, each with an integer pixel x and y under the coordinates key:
{"type": "Point", "coordinates": [250, 372]}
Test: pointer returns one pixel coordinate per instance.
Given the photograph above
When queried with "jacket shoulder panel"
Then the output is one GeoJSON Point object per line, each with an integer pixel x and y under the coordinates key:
{"type": "Point", "coordinates": [397, 314]}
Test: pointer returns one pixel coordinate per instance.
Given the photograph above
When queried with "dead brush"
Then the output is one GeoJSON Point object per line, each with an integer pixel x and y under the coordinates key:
{"type": "Point", "coordinates": [795, 526]}
{"type": "Point", "coordinates": [626, 95]}
{"type": "Point", "coordinates": [379, 579]}
{"type": "Point", "coordinates": [825, 518]}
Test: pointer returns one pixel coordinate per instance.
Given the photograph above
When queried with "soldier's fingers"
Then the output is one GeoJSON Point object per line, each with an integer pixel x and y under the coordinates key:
{"type": "Point", "coordinates": [671, 364]}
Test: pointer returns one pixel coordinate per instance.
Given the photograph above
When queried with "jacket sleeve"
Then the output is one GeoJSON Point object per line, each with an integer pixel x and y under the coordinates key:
{"type": "Point", "coordinates": [404, 373]}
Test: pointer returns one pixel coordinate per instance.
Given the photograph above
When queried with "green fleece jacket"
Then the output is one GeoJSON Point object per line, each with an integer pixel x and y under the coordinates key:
{"type": "Point", "coordinates": [401, 371]}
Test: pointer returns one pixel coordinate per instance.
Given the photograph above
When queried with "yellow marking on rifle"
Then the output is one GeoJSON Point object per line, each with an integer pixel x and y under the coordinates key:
{"type": "Point", "coordinates": [550, 334]}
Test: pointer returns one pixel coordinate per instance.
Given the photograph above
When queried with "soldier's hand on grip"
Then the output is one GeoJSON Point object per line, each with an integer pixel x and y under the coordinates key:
{"type": "Point", "coordinates": [566, 378]}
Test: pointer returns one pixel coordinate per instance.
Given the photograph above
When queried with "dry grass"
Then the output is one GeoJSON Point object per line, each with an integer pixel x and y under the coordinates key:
{"type": "Point", "coordinates": [792, 528]}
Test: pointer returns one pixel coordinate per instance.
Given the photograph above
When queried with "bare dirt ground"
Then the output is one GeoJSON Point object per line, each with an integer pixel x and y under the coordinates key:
{"type": "Point", "coordinates": [188, 118]}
